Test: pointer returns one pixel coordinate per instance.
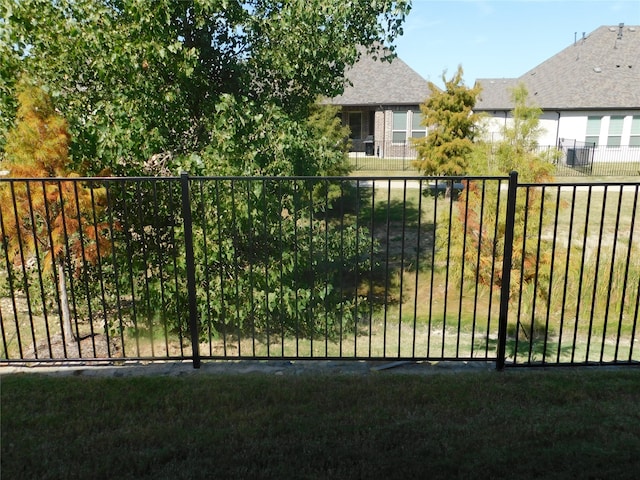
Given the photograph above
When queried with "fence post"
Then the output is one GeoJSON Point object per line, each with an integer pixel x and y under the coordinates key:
{"type": "Point", "coordinates": [506, 270]}
{"type": "Point", "coordinates": [191, 268]}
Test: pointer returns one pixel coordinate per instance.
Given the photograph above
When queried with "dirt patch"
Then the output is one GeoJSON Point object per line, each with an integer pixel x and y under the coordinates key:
{"type": "Point", "coordinates": [91, 346]}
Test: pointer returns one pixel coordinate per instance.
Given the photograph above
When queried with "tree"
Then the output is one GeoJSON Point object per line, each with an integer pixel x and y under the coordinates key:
{"type": "Point", "coordinates": [52, 220]}
{"type": "Point", "coordinates": [479, 229]}
{"type": "Point", "coordinates": [213, 87]}
{"type": "Point", "coordinates": [139, 79]}
{"type": "Point", "coordinates": [518, 148]}
{"type": "Point", "coordinates": [278, 258]}
{"type": "Point", "coordinates": [451, 126]}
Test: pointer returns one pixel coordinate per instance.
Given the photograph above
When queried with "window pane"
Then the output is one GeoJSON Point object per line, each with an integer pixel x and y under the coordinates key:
{"type": "Point", "coordinates": [614, 141]}
{"type": "Point", "coordinates": [635, 126]}
{"type": "Point", "coordinates": [417, 130]}
{"type": "Point", "coordinates": [592, 140]}
{"type": "Point", "coordinates": [634, 141]}
{"type": "Point", "coordinates": [399, 120]}
{"type": "Point", "coordinates": [399, 137]}
{"type": "Point", "coordinates": [416, 121]}
{"type": "Point", "coordinates": [593, 126]}
{"type": "Point", "coordinates": [615, 125]}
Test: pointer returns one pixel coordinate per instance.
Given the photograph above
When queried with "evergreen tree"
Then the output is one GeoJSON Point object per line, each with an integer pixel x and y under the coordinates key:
{"type": "Point", "coordinates": [518, 148]}
{"type": "Point", "coordinates": [52, 219]}
{"type": "Point", "coordinates": [479, 227]}
{"type": "Point", "coordinates": [449, 118]}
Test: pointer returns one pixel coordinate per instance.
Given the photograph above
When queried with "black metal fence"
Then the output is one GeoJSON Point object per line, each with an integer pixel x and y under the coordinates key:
{"type": "Point", "coordinates": [572, 158]}
{"type": "Point", "coordinates": [405, 268]}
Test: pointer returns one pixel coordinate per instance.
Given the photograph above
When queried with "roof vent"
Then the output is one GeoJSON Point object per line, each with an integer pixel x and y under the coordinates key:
{"type": "Point", "coordinates": [632, 29]}
{"type": "Point", "coordinates": [597, 69]}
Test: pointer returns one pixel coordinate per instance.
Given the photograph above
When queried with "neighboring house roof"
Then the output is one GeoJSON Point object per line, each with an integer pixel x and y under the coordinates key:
{"type": "Point", "coordinates": [380, 82]}
{"type": "Point", "coordinates": [598, 71]}
{"type": "Point", "coordinates": [496, 93]}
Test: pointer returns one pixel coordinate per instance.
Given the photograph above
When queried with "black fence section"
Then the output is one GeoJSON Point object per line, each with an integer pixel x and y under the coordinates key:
{"type": "Point", "coordinates": [580, 159]}
{"type": "Point", "coordinates": [405, 268]}
{"type": "Point", "coordinates": [93, 269]}
{"type": "Point", "coordinates": [576, 155]}
{"type": "Point", "coordinates": [382, 155]}
{"type": "Point", "coordinates": [575, 278]}
{"type": "Point", "coordinates": [571, 158]}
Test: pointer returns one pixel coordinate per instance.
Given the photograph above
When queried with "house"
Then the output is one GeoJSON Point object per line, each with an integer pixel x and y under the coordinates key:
{"type": "Point", "coordinates": [589, 94]}
{"type": "Point", "coordinates": [381, 105]}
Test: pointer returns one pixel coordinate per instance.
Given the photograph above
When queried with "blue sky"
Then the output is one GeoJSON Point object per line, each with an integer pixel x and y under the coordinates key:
{"type": "Point", "coordinates": [493, 39]}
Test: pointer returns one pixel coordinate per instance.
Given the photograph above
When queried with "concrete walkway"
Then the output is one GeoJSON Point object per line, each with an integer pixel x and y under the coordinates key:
{"type": "Point", "coordinates": [240, 367]}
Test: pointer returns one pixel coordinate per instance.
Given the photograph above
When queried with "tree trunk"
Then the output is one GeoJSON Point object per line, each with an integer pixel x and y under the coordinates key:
{"type": "Point", "coordinates": [68, 334]}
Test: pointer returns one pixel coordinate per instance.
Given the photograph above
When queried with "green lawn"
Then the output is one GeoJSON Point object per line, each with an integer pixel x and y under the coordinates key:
{"type": "Point", "coordinates": [578, 423]}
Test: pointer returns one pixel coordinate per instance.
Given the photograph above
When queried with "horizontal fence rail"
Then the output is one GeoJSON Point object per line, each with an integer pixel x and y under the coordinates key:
{"type": "Point", "coordinates": [403, 268]}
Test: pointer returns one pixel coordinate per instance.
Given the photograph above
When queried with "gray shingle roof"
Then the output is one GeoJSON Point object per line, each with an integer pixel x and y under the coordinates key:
{"type": "Point", "coordinates": [601, 71]}
{"type": "Point", "coordinates": [496, 93]}
{"type": "Point", "coordinates": [377, 82]}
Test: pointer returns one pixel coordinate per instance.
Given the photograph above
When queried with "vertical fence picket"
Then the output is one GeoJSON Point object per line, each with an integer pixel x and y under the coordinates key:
{"type": "Point", "coordinates": [625, 293]}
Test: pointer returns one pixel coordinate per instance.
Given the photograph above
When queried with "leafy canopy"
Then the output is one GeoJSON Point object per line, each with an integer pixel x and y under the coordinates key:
{"type": "Point", "coordinates": [214, 87]}
{"type": "Point", "coordinates": [139, 78]}
{"type": "Point", "coordinates": [38, 144]}
{"type": "Point", "coordinates": [57, 217]}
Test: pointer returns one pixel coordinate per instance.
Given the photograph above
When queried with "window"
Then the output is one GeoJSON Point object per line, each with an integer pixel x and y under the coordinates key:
{"type": "Point", "coordinates": [355, 124]}
{"type": "Point", "coordinates": [634, 139]}
{"type": "Point", "coordinates": [615, 131]}
{"type": "Point", "coordinates": [399, 127]}
{"type": "Point", "coordinates": [407, 124]}
{"type": "Point", "coordinates": [593, 130]}
{"type": "Point", "coordinates": [417, 130]}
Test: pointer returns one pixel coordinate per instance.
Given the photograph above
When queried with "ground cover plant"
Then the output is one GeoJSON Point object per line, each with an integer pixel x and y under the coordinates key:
{"type": "Point", "coordinates": [514, 424]}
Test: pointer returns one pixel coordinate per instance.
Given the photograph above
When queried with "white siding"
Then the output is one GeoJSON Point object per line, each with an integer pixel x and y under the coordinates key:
{"type": "Point", "coordinates": [567, 124]}
{"type": "Point", "coordinates": [572, 125]}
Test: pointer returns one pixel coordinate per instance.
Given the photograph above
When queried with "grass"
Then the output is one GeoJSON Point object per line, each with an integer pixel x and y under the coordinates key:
{"type": "Point", "coordinates": [516, 424]}
{"type": "Point", "coordinates": [601, 169]}
{"type": "Point", "coordinates": [385, 173]}
{"type": "Point", "coordinates": [601, 172]}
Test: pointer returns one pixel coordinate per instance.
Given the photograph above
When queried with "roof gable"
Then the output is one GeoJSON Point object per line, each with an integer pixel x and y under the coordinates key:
{"type": "Point", "coordinates": [599, 71]}
{"type": "Point", "coordinates": [380, 82]}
